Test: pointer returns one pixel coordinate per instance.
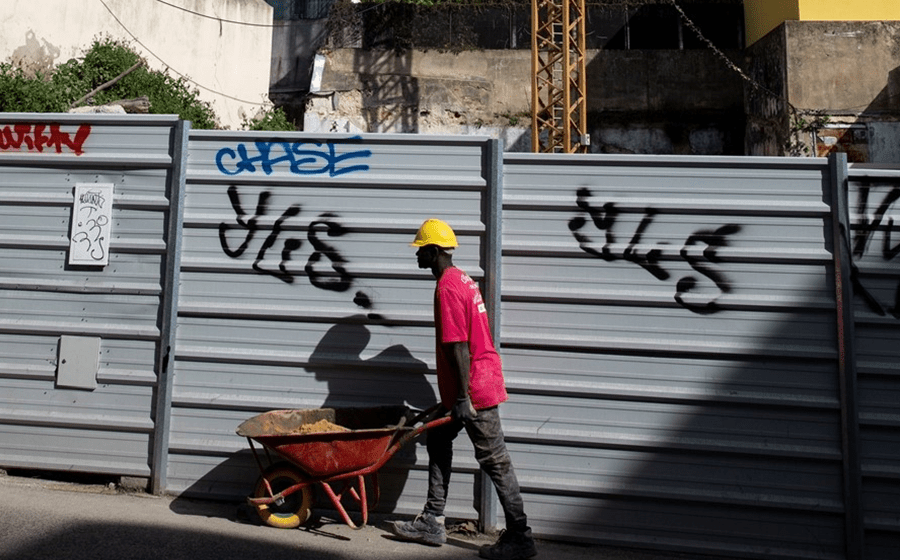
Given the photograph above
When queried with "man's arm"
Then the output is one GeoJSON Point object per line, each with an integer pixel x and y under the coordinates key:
{"type": "Point", "coordinates": [460, 360]}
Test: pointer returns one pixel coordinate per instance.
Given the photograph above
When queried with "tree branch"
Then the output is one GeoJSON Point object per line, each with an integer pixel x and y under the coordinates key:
{"type": "Point", "coordinates": [107, 84]}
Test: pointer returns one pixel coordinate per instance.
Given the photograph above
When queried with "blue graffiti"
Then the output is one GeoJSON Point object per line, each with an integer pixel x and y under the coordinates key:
{"type": "Point", "coordinates": [301, 157]}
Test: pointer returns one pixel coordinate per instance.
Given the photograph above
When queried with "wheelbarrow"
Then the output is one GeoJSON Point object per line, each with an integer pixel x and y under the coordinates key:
{"type": "Point", "coordinates": [306, 457]}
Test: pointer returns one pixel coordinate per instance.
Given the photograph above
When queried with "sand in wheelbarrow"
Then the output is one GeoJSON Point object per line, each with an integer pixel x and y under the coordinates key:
{"type": "Point", "coordinates": [322, 426]}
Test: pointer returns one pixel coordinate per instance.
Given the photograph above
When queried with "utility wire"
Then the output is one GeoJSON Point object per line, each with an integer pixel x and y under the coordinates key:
{"type": "Point", "coordinates": [753, 83]}
{"type": "Point", "coordinates": [275, 25]}
{"type": "Point", "coordinates": [183, 76]}
{"type": "Point", "coordinates": [728, 62]}
{"type": "Point", "coordinates": [221, 19]}
{"type": "Point", "coordinates": [796, 113]}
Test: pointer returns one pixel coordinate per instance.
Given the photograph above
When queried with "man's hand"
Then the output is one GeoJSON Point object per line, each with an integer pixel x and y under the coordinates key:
{"type": "Point", "coordinates": [463, 410]}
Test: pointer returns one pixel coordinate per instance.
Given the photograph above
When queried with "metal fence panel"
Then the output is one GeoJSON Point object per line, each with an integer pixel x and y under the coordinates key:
{"type": "Point", "coordinates": [106, 426]}
{"type": "Point", "coordinates": [299, 290]}
{"type": "Point", "coordinates": [673, 328]}
{"type": "Point", "coordinates": [668, 335]}
{"type": "Point", "coordinates": [874, 219]}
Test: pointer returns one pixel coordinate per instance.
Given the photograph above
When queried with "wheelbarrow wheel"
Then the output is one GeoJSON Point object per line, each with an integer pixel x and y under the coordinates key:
{"type": "Point", "coordinates": [296, 508]}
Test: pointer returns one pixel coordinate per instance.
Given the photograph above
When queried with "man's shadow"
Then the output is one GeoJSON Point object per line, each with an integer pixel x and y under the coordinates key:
{"type": "Point", "coordinates": [392, 377]}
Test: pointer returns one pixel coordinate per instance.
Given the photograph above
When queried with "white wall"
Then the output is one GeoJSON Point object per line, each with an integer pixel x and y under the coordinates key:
{"type": "Point", "coordinates": [227, 62]}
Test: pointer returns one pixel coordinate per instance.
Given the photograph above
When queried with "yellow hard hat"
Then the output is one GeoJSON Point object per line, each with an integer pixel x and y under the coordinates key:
{"type": "Point", "coordinates": [435, 232]}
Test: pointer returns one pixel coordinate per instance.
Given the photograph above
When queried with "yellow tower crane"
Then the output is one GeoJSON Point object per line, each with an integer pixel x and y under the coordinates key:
{"type": "Point", "coordinates": [558, 101]}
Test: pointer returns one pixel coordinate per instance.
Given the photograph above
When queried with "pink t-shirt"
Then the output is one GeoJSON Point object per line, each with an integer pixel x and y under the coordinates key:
{"type": "Point", "coordinates": [460, 316]}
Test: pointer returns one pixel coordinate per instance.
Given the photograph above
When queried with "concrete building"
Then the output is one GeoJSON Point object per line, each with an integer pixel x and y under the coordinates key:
{"type": "Point", "coordinates": [223, 47]}
{"type": "Point", "coordinates": [784, 77]}
{"type": "Point", "coordinates": [830, 77]}
{"type": "Point", "coordinates": [653, 85]}
{"type": "Point", "coordinates": [762, 16]}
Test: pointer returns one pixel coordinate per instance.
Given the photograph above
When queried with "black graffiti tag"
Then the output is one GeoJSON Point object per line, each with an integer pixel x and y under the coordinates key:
{"type": "Point", "coordinates": [713, 241]}
{"type": "Point", "coordinates": [650, 260]}
{"type": "Point", "coordinates": [865, 231]}
{"type": "Point", "coordinates": [338, 279]}
{"type": "Point", "coordinates": [604, 219]}
{"type": "Point", "coordinates": [250, 225]}
{"type": "Point", "coordinates": [290, 245]}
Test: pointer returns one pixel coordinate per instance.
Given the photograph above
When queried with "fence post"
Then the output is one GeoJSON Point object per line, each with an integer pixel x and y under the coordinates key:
{"type": "Point", "coordinates": [169, 317]}
{"type": "Point", "coordinates": [841, 237]}
{"type": "Point", "coordinates": [493, 216]}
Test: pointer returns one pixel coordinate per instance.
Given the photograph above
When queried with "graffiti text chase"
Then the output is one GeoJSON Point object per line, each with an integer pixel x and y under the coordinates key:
{"type": "Point", "coordinates": [301, 158]}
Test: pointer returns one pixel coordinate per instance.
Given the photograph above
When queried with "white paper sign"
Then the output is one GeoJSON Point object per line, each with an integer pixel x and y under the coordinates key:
{"type": "Point", "coordinates": [315, 83]}
{"type": "Point", "coordinates": [91, 224]}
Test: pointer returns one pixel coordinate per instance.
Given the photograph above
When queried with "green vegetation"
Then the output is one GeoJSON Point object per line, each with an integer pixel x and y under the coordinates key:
{"type": "Point", "coordinates": [21, 93]}
{"type": "Point", "coordinates": [804, 126]}
{"type": "Point", "coordinates": [273, 119]}
{"type": "Point", "coordinates": [104, 61]}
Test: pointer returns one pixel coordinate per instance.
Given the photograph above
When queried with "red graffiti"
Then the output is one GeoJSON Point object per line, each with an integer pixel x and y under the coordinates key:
{"type": "Point", "coordinates": [37, 137]}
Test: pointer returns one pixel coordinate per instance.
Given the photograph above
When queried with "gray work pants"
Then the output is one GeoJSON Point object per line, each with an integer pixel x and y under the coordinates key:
{"type": "Point", "coordinates": [490, 452]}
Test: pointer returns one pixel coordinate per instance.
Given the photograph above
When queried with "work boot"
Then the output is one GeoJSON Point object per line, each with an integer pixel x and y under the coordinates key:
{"type": "Point", "coordinates": [425, 529]}
{"type": "Point", "coordinates": [512, 545]}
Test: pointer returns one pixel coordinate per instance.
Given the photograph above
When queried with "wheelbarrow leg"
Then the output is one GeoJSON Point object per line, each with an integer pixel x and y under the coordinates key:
{"type": "Point", "coordinates": [358, 493]}
{"type": "Point", "coordinates": [363, 495]}
{"type": "Point", "coordinates": [336, 501]}
{"type": "Point", "coordinates": [361, 498]}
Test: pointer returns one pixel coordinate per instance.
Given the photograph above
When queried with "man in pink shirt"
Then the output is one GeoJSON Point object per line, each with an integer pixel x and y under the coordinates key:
{"type": "Point", "coordinates": [470, 381]}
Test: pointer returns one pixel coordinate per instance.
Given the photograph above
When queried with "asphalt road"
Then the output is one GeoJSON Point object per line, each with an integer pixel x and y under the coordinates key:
{"type": "Point", "coordinates": [44, 519]}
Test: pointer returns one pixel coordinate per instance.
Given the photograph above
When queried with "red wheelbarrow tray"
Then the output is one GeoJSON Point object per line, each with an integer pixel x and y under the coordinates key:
{"type": "Point", "coordinates": [371, 431]}
{"type": "Point", "coordinates": [373, 436]}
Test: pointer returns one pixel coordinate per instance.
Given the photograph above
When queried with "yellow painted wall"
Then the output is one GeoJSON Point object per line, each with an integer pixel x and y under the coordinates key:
{"type": "Point", "coordinates": [762, 16]}
{"type": "Point", "coordinates": [849, 10]}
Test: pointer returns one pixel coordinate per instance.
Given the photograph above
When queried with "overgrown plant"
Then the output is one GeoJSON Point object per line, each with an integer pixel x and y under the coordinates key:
{"type": "Point", "coordinates": [273, 119]}
{"type": "Point", "coordinates": [105, 60]}
{"type": "Point", "coordinates": [21, 93]}
{"type": "Point", "coordinates": [804, 125]}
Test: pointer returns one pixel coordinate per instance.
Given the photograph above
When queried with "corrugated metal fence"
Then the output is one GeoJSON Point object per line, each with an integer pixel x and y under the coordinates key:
{"type": "Point", "coordinates": [875, 217]}
{"type": "Point", "coordinates": [701, 352]}
{"type": "Point", "coordinates": [109, 318]}
{"type": "Point", "coordinates": [299, 290]}
{"type": "Point", "coordinates": [688, 325]}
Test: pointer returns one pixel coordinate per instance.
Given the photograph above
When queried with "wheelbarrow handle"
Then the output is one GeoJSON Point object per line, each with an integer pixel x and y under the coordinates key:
{"type": "Point", "coordinates": [445, 418]}
{"type": "Point", "coordinates": [425, 415]}
{"type": "Point", "coordinates": [428, 422]}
